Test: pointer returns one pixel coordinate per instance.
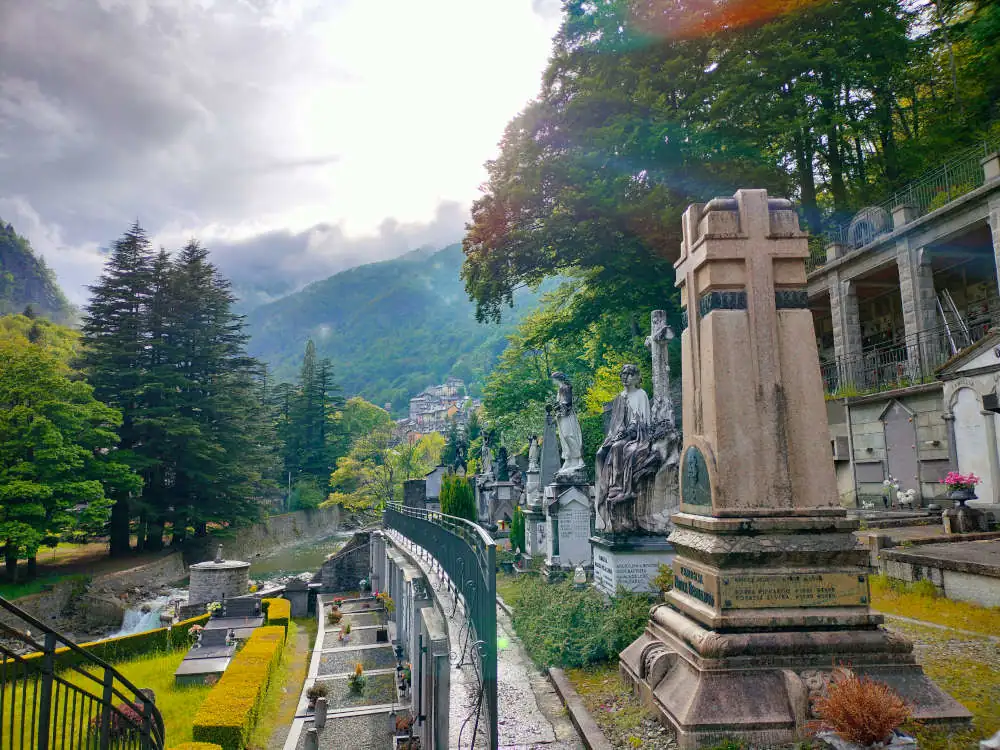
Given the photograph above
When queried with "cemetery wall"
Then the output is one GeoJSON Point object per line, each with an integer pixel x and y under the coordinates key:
{"type": "Point", "coordinates": [274, 531]}
{"type": "Point", "coordinates": [927, 451]}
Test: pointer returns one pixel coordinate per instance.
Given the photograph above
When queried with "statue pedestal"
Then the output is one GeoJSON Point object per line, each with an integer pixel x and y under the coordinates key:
{"type": "Point", "coordinates": [534, 530]}
{"type": "Point", "coordinates": [630, 562]}
{"type": "Point", "coordinates": [569, 523]}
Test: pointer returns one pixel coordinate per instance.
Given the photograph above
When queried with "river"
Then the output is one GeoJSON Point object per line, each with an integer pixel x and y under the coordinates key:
{"type": "Point", "coordinates": [270, 569]}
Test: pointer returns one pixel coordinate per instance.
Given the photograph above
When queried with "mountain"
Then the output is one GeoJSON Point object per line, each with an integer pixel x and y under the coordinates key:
{"type": "Point", "coordinates": [26, 280]}
{"type": "Point", "coordinates": [391, 328]}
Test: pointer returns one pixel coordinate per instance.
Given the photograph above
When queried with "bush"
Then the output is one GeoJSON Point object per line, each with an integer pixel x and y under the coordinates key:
{"type": "Point", "coordinates": [457, 499]}
{"type": "Point", "coordinates": [859, 709]}
{"type": "Point", "coordinates": [196, 746]}
{"type": "Point", "coordinates": [229, 714]}
{"type": "Point", "coordinates": [517, 530]}
{"type": "Point", "coordinates": [278, 611]}
{"type": "Point", "coordinates": [565, 627]}
{"type": "Point", "coordinates": [127, 647]}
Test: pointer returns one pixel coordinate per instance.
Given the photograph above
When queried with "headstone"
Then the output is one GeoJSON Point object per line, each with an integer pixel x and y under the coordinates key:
{"type": "Point", "coordinates": [297, 593]}
{"type": "Point", "coordinates": [569, 524]}
{"type": "Point", "coordinates": [770, 590]}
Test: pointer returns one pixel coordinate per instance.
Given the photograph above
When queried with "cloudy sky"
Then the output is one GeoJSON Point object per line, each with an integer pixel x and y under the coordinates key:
{"type": "Point", "coordinates": [293, 137]}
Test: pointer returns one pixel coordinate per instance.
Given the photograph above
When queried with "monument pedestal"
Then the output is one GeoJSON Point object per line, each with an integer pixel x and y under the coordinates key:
{"type": "Point", "coordinates": [630, 562]}
{"type": "Point", "coordinates": [534, 530]}
{"type": "Point", "coordinates": [770, 594]}
{"type": "Point", "coordinates": [569, 523]}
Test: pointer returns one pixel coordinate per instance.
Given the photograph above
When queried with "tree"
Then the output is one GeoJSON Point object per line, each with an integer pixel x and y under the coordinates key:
{"type": "Point", "coordinates": [114, 352]}
{"type": "Point", "coordinates": [58, 465]}
{"type": "Point", "coordinates": [456, 446]}
{"type": "Point", "coordinates": [457, 498]}
{"type": "Point", "coordinates": [517, 531]}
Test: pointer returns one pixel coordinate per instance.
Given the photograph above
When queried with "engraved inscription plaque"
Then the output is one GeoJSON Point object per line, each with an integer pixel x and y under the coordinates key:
{"type": "Point", "coordinates": [696, 488]}
{"type": "Point", "coordinates": [793, 590]}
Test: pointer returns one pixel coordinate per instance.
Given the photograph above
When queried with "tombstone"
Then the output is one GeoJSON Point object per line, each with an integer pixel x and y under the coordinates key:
{"type": "Point", "coordinates": [534, 513]}
{"type": "Point", "coordinates": [770, 590]}
{"type": "Point", "coordinates": [297, 593]}
{"type": "Point", "coordinates": [636, 471]}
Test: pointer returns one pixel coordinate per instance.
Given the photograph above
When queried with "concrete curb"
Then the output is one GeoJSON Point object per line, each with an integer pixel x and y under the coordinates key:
{"type": "Point", "coordinates": [591, 734]}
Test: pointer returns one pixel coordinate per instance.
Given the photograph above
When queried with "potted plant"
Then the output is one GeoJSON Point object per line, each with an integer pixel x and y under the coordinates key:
{"type": "Point", "coordinates": [313, 694]}
{"type": "Point", "coordinates": [194, 634]}
{"type": "Point", "coordinates": [213, 607]}
{"type": "Point", "coordinates": [338, 600]}
{"type": "Point", "coordinates": [356, 682]}
{"type": "Point", "coordinates": [345, 632]}
{"type": "Point", "coordinates": [334, 616]}
{"type": "Point", "coordinates": [961, 487]}
{"type": "Point", "coordinates": [387, 602]}
{"type": "Point", "coordinates": [858, 712]}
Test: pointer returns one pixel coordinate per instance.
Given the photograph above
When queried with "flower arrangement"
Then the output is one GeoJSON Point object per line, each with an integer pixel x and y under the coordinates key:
{"type": "Point", "coordinates": [338, 600]}
{"type": "Point", "coordinates": [194, 632]}
{"type": "Point", "coordinates": [334, 616]}
{"type": "Point", "coordinates": [956, 481]}
{"type": "Point", "coordinates": [387, 602]}
{"type": "Point", "coordinates": [317, 691]}
{"type": "Point", "coordinates": [357, 681]}
{"type": "Point", "coordinates": [345, 631]}
{"type": "Point", "coordinates": [213, 607]}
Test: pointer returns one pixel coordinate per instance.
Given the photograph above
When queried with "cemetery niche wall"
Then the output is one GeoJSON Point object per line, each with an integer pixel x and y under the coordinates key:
{"type": "Point", "coordinates": [636, 472]}
{"type": "Point", "coordinates": [770, 592]}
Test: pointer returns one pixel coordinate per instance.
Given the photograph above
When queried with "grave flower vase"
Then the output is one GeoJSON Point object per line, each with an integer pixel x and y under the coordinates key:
{"type": "Point", "coordinates": [962, 495]}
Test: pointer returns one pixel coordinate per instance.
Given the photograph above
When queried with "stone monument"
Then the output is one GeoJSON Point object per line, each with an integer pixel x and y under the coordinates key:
{"type": "Point", "coordinates": [568, 499]}
{"type": "Point", "coordinates": [218, 579]}
{"type": "Point", "coordinates": [770, 590]}
{"type": "Point", "coordinates": [535, 522]}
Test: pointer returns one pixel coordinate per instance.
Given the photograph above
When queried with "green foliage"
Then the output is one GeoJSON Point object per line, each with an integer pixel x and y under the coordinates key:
{"type": "Point", "coordinates": [565, 627]}
{"type": "Point", "coordinates": [57, 467]}
{"type": "Point", "coordinates": [391, 327]}
{"type": "Point", "coordinates": [517, 530]}
{"type": "Point", "coordinates": [372, 474]}
{"type": "Point", "coordinates": [27, 282]}
{"type": "Point", "coordinates": [457, 498]}
{"type": "Point", "coordinates": [162, 344]}
{"type": "Point", "coordinates": [664, 580]}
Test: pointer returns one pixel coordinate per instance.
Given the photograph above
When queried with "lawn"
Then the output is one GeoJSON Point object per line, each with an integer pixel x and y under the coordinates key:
{"type": "Point", "coordinates": [920, 601]}
{"type": "Point", "coordinates": [282, 697]}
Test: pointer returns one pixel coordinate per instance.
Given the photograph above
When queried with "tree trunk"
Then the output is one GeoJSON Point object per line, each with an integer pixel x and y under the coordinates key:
{"type": "Point", "coordinates": [10, 559]}
{"type": "Point", "coordinates": [201, 529]}
{"type": "Point", "coordinates": [154, 536]}
{"type": "Point", "coordinates": [32, 570]}
{"type": "Point", "coordinates": [807, 179]}
{"type": "Point", "coordinates": [119, 531]}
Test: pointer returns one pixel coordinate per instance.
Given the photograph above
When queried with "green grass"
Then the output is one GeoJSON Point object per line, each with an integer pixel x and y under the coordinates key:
{"type": "Point", "coordinates": [11, 591]}
{"type": "Point", "coordinates": [921, 601]}
{"type": "Point", "coordinates": [156, 671]}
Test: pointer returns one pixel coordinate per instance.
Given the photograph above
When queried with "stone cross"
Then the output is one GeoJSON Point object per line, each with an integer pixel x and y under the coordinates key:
{"type": "Point", "coordinates": [753, 391]}
{"type": "Point", "coordinates": [218, 554]}
{"type": "Point", "coordinates": [662, 406]}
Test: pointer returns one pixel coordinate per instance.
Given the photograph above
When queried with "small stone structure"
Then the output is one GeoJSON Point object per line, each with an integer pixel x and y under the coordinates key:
{"type": "Point", "coordinates": [769, 591]}
{"type": "Point", "coordinates": [218, 579]}
{"type": "Point", "coordinates": [343, 570]}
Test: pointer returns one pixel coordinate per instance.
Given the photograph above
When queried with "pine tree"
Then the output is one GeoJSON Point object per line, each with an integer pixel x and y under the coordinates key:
{"type": "Point", "coordinates": [114, 352]}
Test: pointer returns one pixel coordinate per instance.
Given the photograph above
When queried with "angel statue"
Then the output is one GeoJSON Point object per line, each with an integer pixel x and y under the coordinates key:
{"type": "Point", "coordinates": [570, 435]}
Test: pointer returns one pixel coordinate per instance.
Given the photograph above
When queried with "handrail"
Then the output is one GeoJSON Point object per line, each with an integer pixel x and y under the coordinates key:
{"type": "Point", "coordinates": [41, 708]}
{"type": "Point", "coordinates": [466, 554]}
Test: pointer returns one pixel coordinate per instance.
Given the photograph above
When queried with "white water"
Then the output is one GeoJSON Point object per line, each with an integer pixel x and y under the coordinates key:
{"type": "Point", "coordinates": [138, 621]}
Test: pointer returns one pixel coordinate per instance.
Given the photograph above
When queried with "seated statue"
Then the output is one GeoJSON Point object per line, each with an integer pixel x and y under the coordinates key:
{"type": "Point", "coordinates": [627, 457]}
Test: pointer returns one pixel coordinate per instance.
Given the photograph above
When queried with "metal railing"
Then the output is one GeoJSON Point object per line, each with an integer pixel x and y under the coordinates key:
{"type": "Point", "coordinates": [67, 700]}
{"type": "Point", "coordinates": [937, 187]}
{"type": "Point", "coordinates": [467, 555]}
{"type": "Point", "coordinates": [912, 361]}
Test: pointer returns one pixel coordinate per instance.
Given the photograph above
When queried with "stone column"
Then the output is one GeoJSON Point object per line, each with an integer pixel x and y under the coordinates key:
{"type": "Point", "coordinates": [769, 587]}
{"type": "Point", "coordinates": [846, 328]}
{"type": "Point", "coordinates": [995, 232]}
{"type": "Point", "coordinates": [918, 296]}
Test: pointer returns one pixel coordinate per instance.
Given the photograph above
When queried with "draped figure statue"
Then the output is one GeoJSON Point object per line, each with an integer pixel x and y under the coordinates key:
{"type": "Point", "coordinates": [627, 457]}
{"type": "Point", "coordinates": [570, 434]}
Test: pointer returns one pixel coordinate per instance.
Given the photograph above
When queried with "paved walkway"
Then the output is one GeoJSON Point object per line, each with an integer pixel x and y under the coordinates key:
{"type": "Point", "coordinates": [531, 714]}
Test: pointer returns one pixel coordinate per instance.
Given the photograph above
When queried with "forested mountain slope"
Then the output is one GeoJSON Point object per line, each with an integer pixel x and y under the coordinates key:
{"type": "Point", "coordinates": [391, 328]}
{"type": "Point", "coordinates": [26, 280]}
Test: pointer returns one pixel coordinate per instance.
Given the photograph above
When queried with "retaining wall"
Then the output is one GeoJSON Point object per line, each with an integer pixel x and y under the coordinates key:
{"type": "Point", "coordinates": [275, 531]}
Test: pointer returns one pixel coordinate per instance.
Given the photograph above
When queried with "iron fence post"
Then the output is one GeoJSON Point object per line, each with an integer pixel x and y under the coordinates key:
{"type": "Point", "coordinates": [106, 709]}
{"type": "Point", "coordinates": [146, 729]}
{"type": "Point", "coordinates": [45, 696]}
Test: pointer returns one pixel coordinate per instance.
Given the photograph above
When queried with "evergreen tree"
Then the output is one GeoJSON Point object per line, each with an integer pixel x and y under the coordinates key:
{"type": "Point", "coordinates": [57, 463]}
{"type": "Point", "coordinates": [115, 351]}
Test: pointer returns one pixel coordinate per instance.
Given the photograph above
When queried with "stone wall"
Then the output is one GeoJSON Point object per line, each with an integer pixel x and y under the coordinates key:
{"type": "Point", "coordinates": [164, 570]}
{"type": "Point", "coordinates": [274, 531]}
{"type": "Point", "coordinates": [345, 569]}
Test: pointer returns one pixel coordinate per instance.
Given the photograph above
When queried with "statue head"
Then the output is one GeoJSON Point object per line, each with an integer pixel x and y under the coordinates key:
{"type": "Point", "coordinates": [631, 376]}
{"type": "Point", "coordinates": [559, 378]}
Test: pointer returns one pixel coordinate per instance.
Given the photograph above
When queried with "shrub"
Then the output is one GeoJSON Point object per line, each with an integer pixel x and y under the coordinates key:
{"type": "Point", "coordinates": [457, 499]}
{"type": "Point", "coordinates": [357, 680]}
{"type": "Point", "coordinates": [317, 691]}
{"type": "Point", "coordinates": [229, 714]}
{"type": "Point", "coordinates": [196, 746]}
{"type": "Point", "coordinates": [859, 709]}
{"type": "Point", "coordinates": [127, 647]}
{"type": "Point", "coordinates": [334, 616]}
{"type": "Point", "coordinates": [565, 627]}
{"type": "Point", "coordinates": [517, 530]}
{"type": "Point", "coordinates": [279, 611]}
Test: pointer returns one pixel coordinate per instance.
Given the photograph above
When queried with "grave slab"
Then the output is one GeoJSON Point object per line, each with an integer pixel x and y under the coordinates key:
{"type": "Point", "coordinates": [197, 671]}
{"type": "Point", "coordinates": [343, 661]}
{"type": "Point", "coordinates": [210, 652]}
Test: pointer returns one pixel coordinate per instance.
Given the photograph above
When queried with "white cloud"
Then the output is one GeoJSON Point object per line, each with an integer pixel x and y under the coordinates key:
{"type": "Point", "coordinates": [226, 119]}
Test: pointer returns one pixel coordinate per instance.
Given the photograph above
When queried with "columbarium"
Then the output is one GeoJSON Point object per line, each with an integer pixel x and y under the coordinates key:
{"type": "Point", "coordinates": [218, 579]}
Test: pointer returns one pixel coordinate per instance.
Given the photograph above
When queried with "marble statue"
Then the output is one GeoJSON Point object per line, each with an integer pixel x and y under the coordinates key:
{"type": "Point", "coordinates": [570, 435]}
{"type": "Point", "coordinates": [627, 457]}
{"type": "Point", "coordinates": [533, 453]}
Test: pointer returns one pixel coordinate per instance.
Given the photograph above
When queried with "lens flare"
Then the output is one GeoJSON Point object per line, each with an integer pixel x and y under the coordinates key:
{"type": "Point", "coordinates": [693, 18]}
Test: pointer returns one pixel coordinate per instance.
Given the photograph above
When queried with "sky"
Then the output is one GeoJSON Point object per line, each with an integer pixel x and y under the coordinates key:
{"type": "Point", "coordinates": [293, 138]}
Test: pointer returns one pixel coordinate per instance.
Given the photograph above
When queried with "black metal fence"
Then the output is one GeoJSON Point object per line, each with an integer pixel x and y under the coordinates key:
{"type": "Point", "coordinates": [70, 699]}
{"type": "Point", "coordinates": [912, 361]}
{"type": "Point", "coordinates": [467, 556]}
{"type": "Point", "coordinates": [934, 189]}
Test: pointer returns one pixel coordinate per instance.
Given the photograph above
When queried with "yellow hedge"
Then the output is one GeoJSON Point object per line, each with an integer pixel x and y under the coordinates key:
{"type": "Point", "coordinates": [229, 714]}
{"type": "Point", "coordinates": [279, 611]}
{"type": "Point", "coordinates": [196, 746]}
